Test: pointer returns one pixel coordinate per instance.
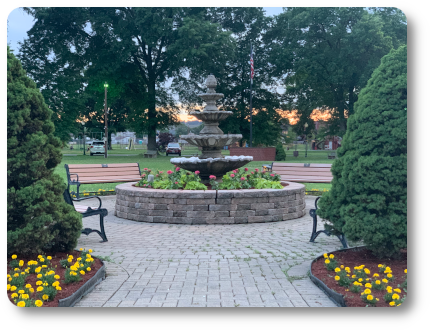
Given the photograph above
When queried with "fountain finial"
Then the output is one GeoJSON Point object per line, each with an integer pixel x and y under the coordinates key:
{"type": "Point", "coordinates": [211, 83]}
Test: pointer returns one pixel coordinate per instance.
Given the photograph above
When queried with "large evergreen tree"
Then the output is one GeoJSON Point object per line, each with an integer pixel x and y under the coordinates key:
{"type": "Point", "coordinates": [38, 218]}
{"type": "Point", "coordinates": [368, 199]}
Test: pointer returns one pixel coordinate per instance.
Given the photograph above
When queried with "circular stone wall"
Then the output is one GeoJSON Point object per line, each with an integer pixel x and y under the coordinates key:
{"type": "Point", "coordinates": [195, 207]}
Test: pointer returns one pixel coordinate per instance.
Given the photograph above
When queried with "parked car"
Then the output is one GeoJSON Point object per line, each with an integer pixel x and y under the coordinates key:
{"type": "Point", "coordinates": [173, 148]}
{"type": "Point", "coordinates": [97, 147]}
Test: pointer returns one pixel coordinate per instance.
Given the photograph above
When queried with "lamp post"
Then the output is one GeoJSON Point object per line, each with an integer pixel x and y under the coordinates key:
{"type": "Point", "coordinates": [106, 123]}
{"type": "Point", "coordinates": [306, 136]}
{"type": "Point", "coordinates": [83, 125]}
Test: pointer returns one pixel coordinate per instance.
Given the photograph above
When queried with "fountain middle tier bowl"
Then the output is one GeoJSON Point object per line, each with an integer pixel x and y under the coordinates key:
{"type": "Point", "coordinates": [212, 141]}
{"type": "Point", "coordinates": [211, 116]}
{"type": "Point", "coordinates": [211, 166]}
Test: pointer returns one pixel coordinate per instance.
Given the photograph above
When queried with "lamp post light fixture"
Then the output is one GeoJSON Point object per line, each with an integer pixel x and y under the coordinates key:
{"type": "Point", "coordinates": [83, 125]}
{"type": "Point", "coordinates": [306, 136]}
{"type": "Point", "coordinates": [106, 123]}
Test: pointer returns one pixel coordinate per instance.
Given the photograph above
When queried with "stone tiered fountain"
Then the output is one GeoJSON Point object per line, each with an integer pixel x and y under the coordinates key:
{"type": "Point", "coordinates": [211, 139]}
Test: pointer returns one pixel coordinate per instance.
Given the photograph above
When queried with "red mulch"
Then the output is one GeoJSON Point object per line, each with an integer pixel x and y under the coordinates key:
{"type": "Point", "coordinates": [67, 289]}
{"type": "Point", "coordinates": [353, 258]}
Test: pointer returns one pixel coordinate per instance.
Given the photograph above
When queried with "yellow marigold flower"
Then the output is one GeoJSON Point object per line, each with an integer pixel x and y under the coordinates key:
{"type": "Point", "coordinates": [397, 290]}
{"type": "Point", "coordinates": [22, 273]}
{"type": "Point", "coordinates": [31, 290]}
{"type": "Point", "coordinates": [384, 280]}
{"type": "Point", "coordinates": [369, 297]}
{"type": "Point", "coordinates": [45, 284]}
{"type": "Point", "coordinates": [28, 285]}
{"type": "Point", "coordinates": [395, 296]}
{"type": "Point", "coordinates": [57, 277]}
{"type": "Point", "coordinates": [39, 256]}
{"type": "Point", "coordinates": [15, 275]}
{"type": "Point", "coordinates": [389, 275]}
{"type": "Point", "coordinates": [337, 269]}
{"type": "Point", "coordinates": [325, 255]}
{"type": "Point", "coordinates": [58, 288]}
{"type": "Point", "coordinates": [38, 303]}
{"type": "Point", "coordinates": [406, 271]}
{"type": "Point", "coordinates": [389, 268]}
{"type": "Point", "coordinates": [8, 275]}
{"type": "Point", "coordinates": [9, 279]}
{"type": "Point", "coordinates": [367, 291]}
{"type": "Point", "coordinates": [392, 303]}
{"type": "Point", "coordinates": [389, 290]}
{"type": "Point", "coordinates": [21, 263]}
{"type": "Point", "coordinates": [327, 261]}
{"type": "Point", "coordinates": [56, 283]}
{"type": "Point", "coordinates": [25, 296]}
{"type": "Point", "coordinates": [82, 272]}
{"type": "Point", "coordinates": [366, 271]}
{"type": "Point", "coordinates": [353, 276]}
{"type": "Point", "coordinates": [360, 279]}
{"type": "Point", "coordinates": [38, 269]}
{"type": "Point", "coordinates": [51, 272]}
{"type": "Point", "coordinates": [342, 266]}
{"type": "Point", "coordinates": [79, 259]}
{"type": "Point", "coordinates": [45, 297]}
{"type": "Point", "coordinates": [21, 304]}
{"type": "Point", "coordinates": [39, 288]}
{"type": "Point", "coordinates": [88, 255]}
{"type": "Point", "coordinates": [368, 285]}
{"type": "Point", "coordinates": [378, 282]}
{"type": "Point", "coordinates": [81, 249]}
{"type": "Point", "coordinates": [14, 295]}
{"type": "Point", "coordinates": [375, 275]}
{"type": "Point", "coordinates": [88, 269]}
{"type": "Point", "coordinates": [377, 299]}
{"type": "Point", "coordinates": [87, 260]}
{"type": "Point", "coordinates": [380, 266]}
{"type": "Point", "coordinates": [91, 259]}
{"type": "Point", "coordinates": [21, 291]}
{"type": "Point", "coordinates": [49, 257]}
{"type": "Point", "coordinates": [337, 278]}
{"type": "Point", "coordinates": [90, 251]}
{"type": "Point", "coordinates": [42, 259]}
{"type": "Point", "coordinates": [14, 256]}
{"type": "Point", "coordinates": [13, 288]}
{"type": "Point", "coordinates": [44, 266]}
{"type": "Point", "coordinates": [331, 256]}
{"type": "Point", "coordinates": [8, 287]}
{"type": "Point", "coordinates": [39, 283]}
{"type": "Point", "coordinates": [73, 268]}
{"type": "Point", "coordinates": [347, 269]}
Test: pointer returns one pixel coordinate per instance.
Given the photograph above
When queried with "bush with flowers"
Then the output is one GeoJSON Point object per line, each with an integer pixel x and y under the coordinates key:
{"type": "Point", "coordinates": [241, 178]}
{"type": "Point", "coordinates": [47, 281]}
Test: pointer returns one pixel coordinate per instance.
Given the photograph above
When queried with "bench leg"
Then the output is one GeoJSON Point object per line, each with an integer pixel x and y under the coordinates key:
{"type": "Point", "coordinates": [315, 233]}
{"type": "Point", "coordinates": [102, 233]}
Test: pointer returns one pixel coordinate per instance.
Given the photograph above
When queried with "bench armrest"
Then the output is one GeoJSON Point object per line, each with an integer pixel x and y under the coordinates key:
{"type": "Point", "coordinates": [84, 198]}
{"type": "Point", "coordinates": [77, 177]}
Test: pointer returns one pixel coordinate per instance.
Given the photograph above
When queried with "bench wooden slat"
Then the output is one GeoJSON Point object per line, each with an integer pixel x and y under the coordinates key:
{"type": "Point", "coordinates": [306, 179]}
{"type": "Point", "coordinates": [310, 172]}
{"type": "Point", "coordinates": [77, 166]}
{"type": "Point", "coordinates": [83, 208]}
{"type": "Point", "coordinates": [105, 174]}
{"type": "Point", "coordinates": [300, 165]}
{"type": "Point", "coordinates": [297, 172]}
{"type": "Point", "coordinates": [311, 169]}
{"type": "Point", "coordinates": [109, 180]}
{"type": "Point", "coordinates": [105, 170]}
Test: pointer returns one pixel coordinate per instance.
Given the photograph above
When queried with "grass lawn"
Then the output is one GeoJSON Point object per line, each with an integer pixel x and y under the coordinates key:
{"type": "Point", "coordinates": [162, 163]}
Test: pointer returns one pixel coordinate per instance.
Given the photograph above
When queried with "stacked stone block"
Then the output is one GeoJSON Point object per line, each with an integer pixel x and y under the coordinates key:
{"type": "Point", "coordinates": [210, 206]}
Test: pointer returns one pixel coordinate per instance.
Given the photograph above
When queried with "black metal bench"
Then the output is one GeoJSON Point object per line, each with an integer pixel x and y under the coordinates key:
{"type": "Point", "coordinates": [87, 211]}
{"type": "Point", "coordinates": [315, 233]}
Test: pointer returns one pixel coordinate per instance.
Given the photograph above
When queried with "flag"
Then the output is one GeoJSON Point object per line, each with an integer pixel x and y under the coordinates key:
{"type": "Point", "coordinates": [252, 65]}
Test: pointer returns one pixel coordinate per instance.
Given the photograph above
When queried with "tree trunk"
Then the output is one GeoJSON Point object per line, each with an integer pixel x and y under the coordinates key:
{"type": "Point", "coordinates": [152, 114]}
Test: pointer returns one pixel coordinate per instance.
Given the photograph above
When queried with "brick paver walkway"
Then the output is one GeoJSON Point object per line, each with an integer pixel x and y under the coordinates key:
{"type": "Point", "coordinates": [165, 265]}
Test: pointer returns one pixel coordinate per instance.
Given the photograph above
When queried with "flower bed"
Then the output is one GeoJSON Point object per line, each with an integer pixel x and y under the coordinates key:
{"type": "Point", "coordinates": [241, 178]}
{"type": "Point", "coordinates": [42, 281]}
{"type": "Point", "coordinates": [363, 279]}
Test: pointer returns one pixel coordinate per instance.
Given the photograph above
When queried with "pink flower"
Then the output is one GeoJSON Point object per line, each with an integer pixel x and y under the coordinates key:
{"type": "Point", "coordinates": [177, 169]}
{"type": "Point", "coordinates": [143, 175]}
{"type": "Point", "coordinates": [232, 175]}
{"type": "Point", "coordinates": [176, 182]}
{"type": "Point", "coordinates": [212, 177]}
{"type": "Point", "coordinates": [161, 172]}
{"type": "Point", "coordinates": [157, 175]}
{"type": "Point", "coordinates": [246, 169]}
{"type": "Point", "coordinates": [169, 172]}
{"type": "Point", "coordinates": [145, 169]}
{"type": "Point", "coordinates": [272, 174]}
{"type": "Point", "coordinates": [197, 172]}
{"type": "Point", "coordinates": [256, 170]}
{"type": "Point", "coordinates": [242, 178]}
{"type": "Point", "coordinates": [235, 171]}
{"type": "Point", "coordinates": [144, 185]}
{"type": "Point", "coordinates": [252, 172]}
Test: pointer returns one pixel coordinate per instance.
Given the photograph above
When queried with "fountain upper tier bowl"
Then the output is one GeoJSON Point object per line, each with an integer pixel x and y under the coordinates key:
{"type": "Point", "coordinates": [211, 166]}
{"type": "Point", "coordinates": [208, 142]}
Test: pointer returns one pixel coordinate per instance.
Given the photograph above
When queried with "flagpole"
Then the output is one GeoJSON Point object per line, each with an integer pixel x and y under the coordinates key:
{"type": "Point", "coordinates": [250, 103]}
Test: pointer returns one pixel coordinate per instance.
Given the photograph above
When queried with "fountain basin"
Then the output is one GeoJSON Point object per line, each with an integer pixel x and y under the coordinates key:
{"type": "Point", "coordinates": [211, 166]}
{"type": "Point", "coordinates": [211, 206]}
{"type": "Point", "coordinates": [216, 141]}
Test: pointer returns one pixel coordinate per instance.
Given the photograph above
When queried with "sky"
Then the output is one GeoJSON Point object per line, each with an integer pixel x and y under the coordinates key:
{"type": "Point", "coordinates": [20, 22]}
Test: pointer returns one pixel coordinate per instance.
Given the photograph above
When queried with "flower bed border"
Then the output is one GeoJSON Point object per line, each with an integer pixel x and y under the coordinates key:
{"type": "Point", "coordinates": [337, 298]}
{"type": "Point", "coordinates": [88, 286]}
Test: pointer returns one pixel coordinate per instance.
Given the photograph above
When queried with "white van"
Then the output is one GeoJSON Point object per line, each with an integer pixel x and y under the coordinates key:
{"type": "Point", "coordinates": [97, 147]}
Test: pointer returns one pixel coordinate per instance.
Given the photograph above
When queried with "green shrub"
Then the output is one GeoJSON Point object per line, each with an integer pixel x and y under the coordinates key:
{"type": "Point", "coordinates": [368, 199]}
{"type": "Point", "coordinates": [38, 218]}
{"type": "Point", "coordinates": [280, 152]}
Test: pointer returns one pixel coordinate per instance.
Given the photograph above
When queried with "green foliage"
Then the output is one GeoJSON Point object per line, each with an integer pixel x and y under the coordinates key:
{"type": "Point", "coordinates": [38, 218]}
{"type": "Point", "coordinates": [161, 184]}
{"type": "Point", "coordinates": [280, 152]}
{"type": "Point", "coordinates": [194, 185]}
{"type": "Point", "coordinates": [368, 198]}
{"type": "Point", "coordinates": [261, 183]}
